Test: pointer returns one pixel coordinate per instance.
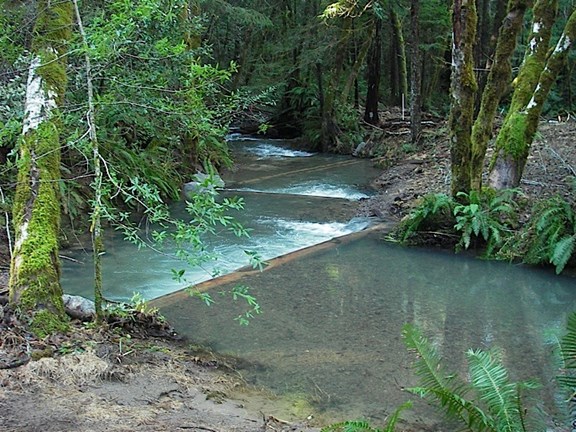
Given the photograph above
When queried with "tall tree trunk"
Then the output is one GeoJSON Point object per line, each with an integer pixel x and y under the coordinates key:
{"type": "Point", "coordinates": [357, 63]}
{"type": "Point", "coordinates": [374, 62]}
{"type": "Point", "coordinates": [498, 79]}
{"type": "Point", "coordinates": [463, 89]}
{"type": "Point", "coordinates": [329, 128]}
{"type": "Point", "coordinates": [35, 269]}
{"type": "Point", "coordinates": [517, 132]}
{"type": "Point", "coordinates": [98, 204]}
{"type": "Point", "coordinates": [483, 36]}
{"type": "Point", "coordinates": [398, 65]}
{"type": "Point", "coordinates": [415, 75]}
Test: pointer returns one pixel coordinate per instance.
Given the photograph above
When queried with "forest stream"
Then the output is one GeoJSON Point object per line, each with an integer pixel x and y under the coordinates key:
{"type": "Point", "coordinates": [333, 302]}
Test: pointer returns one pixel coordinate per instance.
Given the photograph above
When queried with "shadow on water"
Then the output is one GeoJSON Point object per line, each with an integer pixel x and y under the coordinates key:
{"type": "Point", "coordinates": [331, 327]}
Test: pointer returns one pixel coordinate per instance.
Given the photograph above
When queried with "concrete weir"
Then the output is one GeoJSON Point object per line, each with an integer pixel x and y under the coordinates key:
{"type": "Point", "coordinates": [247, 271]}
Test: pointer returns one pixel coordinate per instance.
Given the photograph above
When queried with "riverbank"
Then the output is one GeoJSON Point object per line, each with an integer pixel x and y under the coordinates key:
{"type": "Point", "coordinates": [410, 173]}
{"type": "Point", "coordinates": [106, 380]}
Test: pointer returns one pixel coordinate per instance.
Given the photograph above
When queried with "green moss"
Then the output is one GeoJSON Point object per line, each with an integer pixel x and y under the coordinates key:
{"type": "Point", "coordinates": [512, 136]}
{"type": "Point", "coordinates": [38, 354]}
{"type": "Point", "coordinates": [45, 322]}
{"type": "Point", "coordinates": [53, 26]}
{"type": "Point", "coordinates": [54, 74]}
{"type": "Point", "coordinates": [51, 35]}
{"type": "Point", "coordinates": [35, 281]}
{"type": "Point", "coordinates": [35, 273]}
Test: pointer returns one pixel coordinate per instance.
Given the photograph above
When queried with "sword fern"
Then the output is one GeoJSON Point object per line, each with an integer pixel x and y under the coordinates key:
{"type": "Point", "coordinates": [498, 404]}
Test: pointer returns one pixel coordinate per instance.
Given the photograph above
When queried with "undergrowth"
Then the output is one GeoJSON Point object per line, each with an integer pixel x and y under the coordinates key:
{"type": "Point", "coordinates": [489, 222]}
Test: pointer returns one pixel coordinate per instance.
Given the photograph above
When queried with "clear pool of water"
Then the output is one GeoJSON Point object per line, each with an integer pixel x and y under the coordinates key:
{"type": "Point", "coordinates": [331, 326]}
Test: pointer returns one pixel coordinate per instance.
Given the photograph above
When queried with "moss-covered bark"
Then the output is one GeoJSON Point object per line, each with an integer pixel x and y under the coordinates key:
{"type": "Point", "coordinates": [515, 137]}
{"type": "Point", "coordinates": [35, 270]}
{"type": "Point", "coordinates": [463, 89]}
{"type": "Point", "coordinates": [498, 79]}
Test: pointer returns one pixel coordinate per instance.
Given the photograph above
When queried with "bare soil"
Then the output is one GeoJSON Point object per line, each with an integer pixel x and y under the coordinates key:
{"type": "Point", "coordinates": [121, 380]}
{"type": "Point", "coordinates": [411, 173]}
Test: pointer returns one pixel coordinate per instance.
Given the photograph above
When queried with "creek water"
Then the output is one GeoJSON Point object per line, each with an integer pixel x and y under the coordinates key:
{"type": "Point", "coordinates": [293, 199]}
{"type": "Point", "coordinates": [329, 338]}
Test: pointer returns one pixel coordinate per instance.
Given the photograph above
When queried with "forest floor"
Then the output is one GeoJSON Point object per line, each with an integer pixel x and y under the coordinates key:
{"type": "Point", "coordinates": [109, 380]}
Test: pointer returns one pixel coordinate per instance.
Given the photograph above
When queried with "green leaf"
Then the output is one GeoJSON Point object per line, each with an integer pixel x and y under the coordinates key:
{"type": "Point", "coordinates": [562, 253]}
{"type": "Point", "coordinates": [490, 379]}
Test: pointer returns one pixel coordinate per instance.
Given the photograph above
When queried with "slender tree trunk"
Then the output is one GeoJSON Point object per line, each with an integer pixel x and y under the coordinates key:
{"type": "Point", "coordinates": [515, 137]}
{"type": "Point", "coordinates": [483, 50]}
{"type": "Point", "coordinates": [398, 64]}
{"type": "Point", "coordinates": [463, 89]}
{"type": "Point", "coordinates": [358, 62]}
{"type": "Point", "coordinates": [35, 269]}
{"type": "Point", "coordinates": [98, 205]}
{"type": "Point", "coordinates": [498, 79]}
{"type": "Point", "coordinates": [329, 128]}
{"type": "Point", "coordinates": [374, 62]}
{"type": "Point", "coordinates": [191, 9]}
{"type": "Point", "coordinates": [393, 65]}
{"type": "Point", "coordinates": [416, 75]}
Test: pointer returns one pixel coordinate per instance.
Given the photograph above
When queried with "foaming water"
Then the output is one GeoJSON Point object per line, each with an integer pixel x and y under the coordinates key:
{"type": "Point", "coordinates": [240, 137]}
{"type": "Point", "coordinates": [263, 151]}
{"type": "Point", "coordinates": [314, 189]}
{"type": "Point", "coordinates": [128, 269]}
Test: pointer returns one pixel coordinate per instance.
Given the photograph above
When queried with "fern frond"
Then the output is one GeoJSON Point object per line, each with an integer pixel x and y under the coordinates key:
{"type": "Point", "coordinates": [430, 206]}
{"type": "Point", "coordinates": [568, 342]}
{"type": "Point", "coordinates": [568, 355]}
{"type": "Point", "coordinates": [350, 426]}
{"type": "Point", "coordinates": [562, 253]}
{"type": "Point", "coordinates": [490, 379]}
{"type": "Point", "coordinates": [446, 389]}
{"type": "Point", "coordinates": [393, 419]}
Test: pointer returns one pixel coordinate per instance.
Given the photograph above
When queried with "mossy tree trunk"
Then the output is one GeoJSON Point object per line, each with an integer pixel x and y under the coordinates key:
{"type": "Point", "coordinates": [517, 132]}
{"type": "Point", "coordinates": [35, 270]}
{"type": "Point", "coordinates": [498, 79]}
{"type": "Point", "coordinates": [462, 91]}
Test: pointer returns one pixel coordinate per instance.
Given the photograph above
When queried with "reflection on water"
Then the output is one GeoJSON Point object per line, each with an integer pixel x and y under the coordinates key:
{"type": "Point", "coordinates": [331, 326]}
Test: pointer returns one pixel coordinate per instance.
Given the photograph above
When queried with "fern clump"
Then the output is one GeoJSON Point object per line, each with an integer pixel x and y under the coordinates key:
{"type": "Point", "coordinates": [489, 401]}
{"type": "Point", "coordinates": [433, 212]}
{"type": "Point", "coordinates": [549, 236]}
{"type": "Point", "coordinates": [364, 426]}
{"type": "Point", "coordinates": [489, 216]}
{"type": "Point", "coordinates": [480, 219]}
